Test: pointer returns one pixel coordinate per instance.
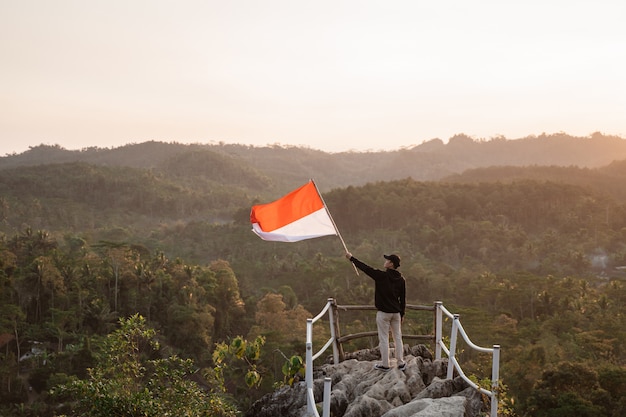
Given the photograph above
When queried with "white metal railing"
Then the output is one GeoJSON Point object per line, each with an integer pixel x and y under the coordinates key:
{"type": "Point", "coordinates": [310, 357]}
{"type": "Point", "coordinates": [453, 364]}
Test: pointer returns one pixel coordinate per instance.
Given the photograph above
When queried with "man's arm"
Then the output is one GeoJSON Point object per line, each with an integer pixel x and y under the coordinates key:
{"type": "Point", "coordinates": [371, 272]}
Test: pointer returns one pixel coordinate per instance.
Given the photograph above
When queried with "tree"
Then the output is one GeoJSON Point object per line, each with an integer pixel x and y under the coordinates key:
{"type": "Point", "coordinates": [131, 379]}
{"type": "Point", "coordinates": [11, 323]}
{"type": "Point", "coordinates": [613, 380]}
{"type": "Point", "coordinates": [570, 389]}
{"type": "Point", "coordinates": [118, 264]}
{"type": "Point", "coordinates": [273, 318]}
{"type": "Point", "coordinates": [225, 296]}
{"type": "Point", "coordinates": [235, 363]}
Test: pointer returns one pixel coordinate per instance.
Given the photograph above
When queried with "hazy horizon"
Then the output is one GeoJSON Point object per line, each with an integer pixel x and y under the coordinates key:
{"type": "Point", "coordinates": [334, 76]}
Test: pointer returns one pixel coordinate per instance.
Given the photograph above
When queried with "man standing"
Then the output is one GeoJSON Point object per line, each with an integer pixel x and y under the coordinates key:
{"type": "Point", "coordinates": [390, 301]}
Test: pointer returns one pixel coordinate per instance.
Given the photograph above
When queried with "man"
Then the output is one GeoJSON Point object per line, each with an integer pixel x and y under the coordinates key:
{"type": "Point", "coordinates": [390, 301]}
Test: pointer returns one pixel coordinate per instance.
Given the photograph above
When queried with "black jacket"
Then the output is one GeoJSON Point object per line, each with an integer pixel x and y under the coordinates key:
{"type": "Point", "coordinates": [389, 290]}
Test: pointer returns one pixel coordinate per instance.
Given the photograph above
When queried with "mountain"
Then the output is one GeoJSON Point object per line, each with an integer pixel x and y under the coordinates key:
{"type": "Point", "coordinates": [525, 239]}
{"type": "Point", "coordinates": [607, 180]}
{"type": "Point", "coordinates": [142, 184]}
{"type": "Point", "coordinates": [277, 169]}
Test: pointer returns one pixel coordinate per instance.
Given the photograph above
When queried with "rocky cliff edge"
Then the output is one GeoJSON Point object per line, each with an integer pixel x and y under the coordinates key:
{"type": "Point", "coordinates": [360, 390]}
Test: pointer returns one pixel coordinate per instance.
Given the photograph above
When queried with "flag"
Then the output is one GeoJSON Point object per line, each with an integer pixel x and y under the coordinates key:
{"type": "Point", "coordinates": [299, 215]}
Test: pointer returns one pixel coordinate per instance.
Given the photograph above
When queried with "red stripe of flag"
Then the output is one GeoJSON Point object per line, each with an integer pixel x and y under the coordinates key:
{"type": "Point", "coordinates": [293, 206]}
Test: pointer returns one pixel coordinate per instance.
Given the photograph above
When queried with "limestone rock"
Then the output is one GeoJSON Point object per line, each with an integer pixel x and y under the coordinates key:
{"type": "Point", "coordinates": [429, 407]}
{"type": "Point", "coordinates": [360, 390]}
{"type": "Point", "coordinates": [285, 402]}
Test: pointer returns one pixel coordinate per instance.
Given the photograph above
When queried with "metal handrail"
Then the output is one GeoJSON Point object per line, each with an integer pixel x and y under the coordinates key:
{"type": "Point", "coordinates": [439, 311]}
{"type": "Point", "coordinates": [453, 363]}
{"type": "Point", "coordinates": [310, 399]}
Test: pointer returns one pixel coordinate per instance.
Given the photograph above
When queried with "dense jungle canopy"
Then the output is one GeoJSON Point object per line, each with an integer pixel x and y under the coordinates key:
{"type": "Point", "coordinates": [153, 240]}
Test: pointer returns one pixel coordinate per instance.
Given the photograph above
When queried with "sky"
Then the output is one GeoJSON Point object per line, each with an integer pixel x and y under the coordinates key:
{"type": "Point", "coordinates": [333, 75]}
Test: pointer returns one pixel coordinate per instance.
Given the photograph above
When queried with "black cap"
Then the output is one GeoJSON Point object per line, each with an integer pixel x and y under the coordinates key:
{"type": "Point", "coordinates": [393, 258]}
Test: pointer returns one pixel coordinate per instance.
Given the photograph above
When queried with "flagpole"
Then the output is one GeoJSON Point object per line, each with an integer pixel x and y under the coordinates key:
{"type": "Point", "coordinates": [333, 222]}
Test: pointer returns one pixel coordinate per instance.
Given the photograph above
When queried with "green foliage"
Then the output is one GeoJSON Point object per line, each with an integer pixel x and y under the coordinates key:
{"type": "Point", "coordinates": [238, 361]}
{"type": "Point", "coordinates": [128, 380]}
{"type": "Point", "coordinates": [293, 370]}
{"type": "Point", "coordinates": [612, 379]}
{"type": "Point", "coordinates": [228, 357]}
{"type": "Point", "coordinates": [506, 404]}
{"type": "Point", "coordinates": [531, 263]}
{"type": "Point", "coordinates": [566, 390]}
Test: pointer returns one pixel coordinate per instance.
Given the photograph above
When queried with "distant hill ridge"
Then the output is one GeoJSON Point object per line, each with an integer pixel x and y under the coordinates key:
{"type": "Point", "coordinates": [288, 166]}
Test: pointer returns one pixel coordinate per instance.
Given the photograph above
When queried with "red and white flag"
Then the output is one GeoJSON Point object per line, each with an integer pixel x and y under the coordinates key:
{"type": "Point", "coordinates": [299, 215]}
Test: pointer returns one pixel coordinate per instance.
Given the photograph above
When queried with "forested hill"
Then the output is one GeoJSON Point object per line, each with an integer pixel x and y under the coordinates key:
{"type": "Point", "coordinates": [533, 257]}
{"type": "Point", "coordinates": [284, 167]}
{"type": "Point", "coordinates": [137, 186]}
{"type": "Point", "coordinates": [605, 180]}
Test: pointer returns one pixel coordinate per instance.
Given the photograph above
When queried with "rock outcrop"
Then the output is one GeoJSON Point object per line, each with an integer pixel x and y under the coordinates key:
{"type": "Point", "coordinates": [360, 390]}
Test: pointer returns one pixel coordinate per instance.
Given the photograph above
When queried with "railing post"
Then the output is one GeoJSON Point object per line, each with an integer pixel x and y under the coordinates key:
{"type": "Point", "coordinates": [326, 406]}
{"type": "Point", "coordinates": [451, 357]}
{"type": "Point", "coordinates": [495, 376]}
{"type": "Point", "coordinates": [438, 328]}
{"type": "Point", "coordinates": [439, 312]}
{"type": "Point", "coordinates": [333, 316]}
{"type": "Point", "coordinates": [309, 366]}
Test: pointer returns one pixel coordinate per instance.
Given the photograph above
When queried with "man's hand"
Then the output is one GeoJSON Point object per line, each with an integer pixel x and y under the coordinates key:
{"type": "Point", "coordinates": [348, 255]}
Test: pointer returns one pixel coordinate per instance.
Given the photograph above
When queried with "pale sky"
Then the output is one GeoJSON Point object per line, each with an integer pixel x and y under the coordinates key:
{"type": "Point", "coordinates": [332, 75]}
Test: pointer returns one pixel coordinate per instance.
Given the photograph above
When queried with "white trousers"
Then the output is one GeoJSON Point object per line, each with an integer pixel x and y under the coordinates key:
{"type": "Point", "coordinates": [386, 322]}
